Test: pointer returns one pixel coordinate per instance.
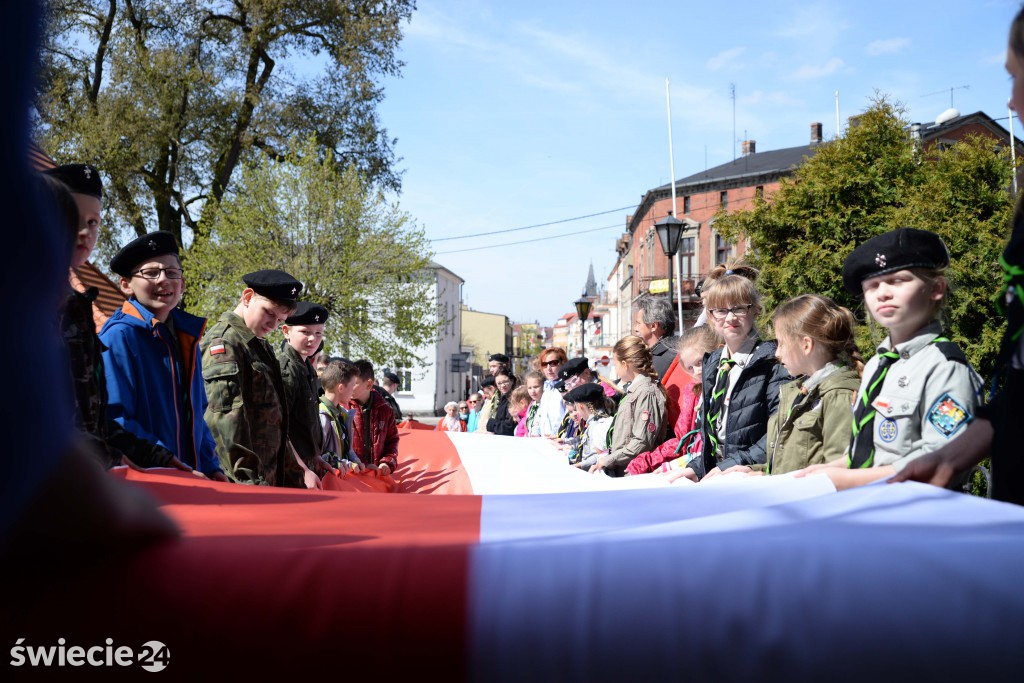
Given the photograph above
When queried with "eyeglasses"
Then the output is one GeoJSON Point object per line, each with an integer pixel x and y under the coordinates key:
{"type": "Point", "coordinates": [550, 363]}
{"type": "Point", "coordinates": [506, 383]}
{"type": "Point", "coordinates": [154, 273]}
{"type": "Point", "coordinates": [723, 313]}
{"type": "Point", "coordinates": [463, 407]}
{"type": "Point", "coordinates": [472, 402]}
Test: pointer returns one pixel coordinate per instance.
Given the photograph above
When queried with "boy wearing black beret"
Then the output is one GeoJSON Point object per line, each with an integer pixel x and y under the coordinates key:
{"type": "Point", "coordinates": [304, 334]}
{"type": "Point", "coordinates": [151, 359]}
{"type": "Point", "coordinates": [247, 409]}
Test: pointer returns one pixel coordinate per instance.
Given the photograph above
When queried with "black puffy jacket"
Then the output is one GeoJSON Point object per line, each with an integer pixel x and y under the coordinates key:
{"type": "Point", "coordinates": [754, 398]}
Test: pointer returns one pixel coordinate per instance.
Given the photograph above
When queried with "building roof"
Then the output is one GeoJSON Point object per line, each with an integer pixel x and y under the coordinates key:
{"type": "Point", "coordinates": [778, 161]}
{"type": "Point", "coordinates": [754, 168]}
{"type": "Point", "coordinates": [434, 265]}
{"type": "Point", "coordinates": [108, 301]}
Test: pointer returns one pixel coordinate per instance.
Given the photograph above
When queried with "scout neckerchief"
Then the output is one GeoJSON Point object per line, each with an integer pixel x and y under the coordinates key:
{"type": "Point", "coordinates": [531, 414]}
{"type": "Point", "coordinates": [717, 401]}
{"type": "Point", "coordinates": [862, 440]}
{"type": "Point", "coordinates": [331, 411]}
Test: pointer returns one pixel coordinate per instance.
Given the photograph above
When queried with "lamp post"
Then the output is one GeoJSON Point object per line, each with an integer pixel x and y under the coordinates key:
{"type": "Point", "coordinates": [669, 230]}
{"type": "Point", "coordinates": [583, 311]}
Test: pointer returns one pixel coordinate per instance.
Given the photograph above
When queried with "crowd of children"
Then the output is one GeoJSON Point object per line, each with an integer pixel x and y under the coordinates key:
{"type": "Point", "coordinates": [740, 404]}
{"type": "Point", "coordinates": [157, 387]}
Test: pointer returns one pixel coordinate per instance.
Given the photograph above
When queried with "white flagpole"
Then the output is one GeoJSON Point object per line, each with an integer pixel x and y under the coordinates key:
{"type": "Point", "coordinates": [675, 211]}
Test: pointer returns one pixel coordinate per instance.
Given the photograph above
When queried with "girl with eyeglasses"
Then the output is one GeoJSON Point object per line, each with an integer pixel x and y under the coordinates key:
{"type": "Point", "coordinates": [741, 380]}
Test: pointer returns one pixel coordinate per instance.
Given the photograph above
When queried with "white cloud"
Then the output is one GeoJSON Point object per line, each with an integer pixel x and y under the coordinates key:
{"type": "Point", "coordinates": [726, 58]}
{"type": "Point", "coordinates": [996, 59]}
{"type": "Point", "coordinates": [808, 71]}
{"type": "Point", "coordinates": [888, 46]}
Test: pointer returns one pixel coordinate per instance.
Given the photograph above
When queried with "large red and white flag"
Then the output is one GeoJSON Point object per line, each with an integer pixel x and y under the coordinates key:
{"type": "Point", "coordinates": [488, 558]}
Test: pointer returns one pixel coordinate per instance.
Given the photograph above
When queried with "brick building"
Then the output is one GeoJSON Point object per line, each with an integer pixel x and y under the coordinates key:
{"type": "Point", "coordinates": [642, 266]}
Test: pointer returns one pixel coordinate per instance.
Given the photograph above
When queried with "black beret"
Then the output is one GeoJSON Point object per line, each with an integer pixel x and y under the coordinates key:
{"type": "Point", "coordinates": [573, 367]}
{"type": "Point", "coordinates": [898, 249]}
{"type": "Point", "coordinates": [141, 249]}
{"type": "Point", "coordinates": [274, 284]}
{"type": "Point", "coordinates": [588, 392]}
{"type": "Point", "coordinates": [560, 385]}
{"type": "Point", "coordinates": [307, 313]}
{"type": "Point", "coordinates": [392, 377]}
{"type": "Point", "coordinates": [500, 357]}
{"type": "Point", "coordinates": [80, 178]}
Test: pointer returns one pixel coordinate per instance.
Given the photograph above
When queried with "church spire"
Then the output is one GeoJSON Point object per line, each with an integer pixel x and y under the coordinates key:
{"type": "Point", "coordinates": [590, 290]}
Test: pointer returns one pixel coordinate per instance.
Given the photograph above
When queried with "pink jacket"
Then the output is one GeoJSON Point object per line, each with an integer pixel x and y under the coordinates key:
{"type": "Point", "coordinates": [521, 427]}
{"type": "Point", "coordinates": [687, 421]}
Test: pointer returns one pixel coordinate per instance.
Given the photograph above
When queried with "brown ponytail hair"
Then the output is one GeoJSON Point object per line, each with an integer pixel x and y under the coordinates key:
{"type": "Point", "coordinates": [632, 351]}
{"type": "Point", "coordinates": [824, 321]}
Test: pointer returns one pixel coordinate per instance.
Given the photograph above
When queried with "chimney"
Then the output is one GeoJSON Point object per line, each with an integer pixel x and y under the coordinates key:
{"type": "Point", "coordinates": [749, 147]}
{"type": "Point", "coordinates": [815, 133]}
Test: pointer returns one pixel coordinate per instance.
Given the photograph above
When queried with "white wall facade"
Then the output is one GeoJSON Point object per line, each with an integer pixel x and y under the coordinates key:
{"type": "Point", "coordinates": [426, 388]}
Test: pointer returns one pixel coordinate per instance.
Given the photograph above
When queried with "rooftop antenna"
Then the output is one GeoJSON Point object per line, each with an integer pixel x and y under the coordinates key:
{"type": "Point", "coordinates": [943, 92]}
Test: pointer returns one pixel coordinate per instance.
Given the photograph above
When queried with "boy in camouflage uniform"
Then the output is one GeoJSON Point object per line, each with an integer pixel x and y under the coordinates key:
{"type": "Point", "coordinates": [246, 410]}
{"type": "Point", "coordinates": [304, 333]}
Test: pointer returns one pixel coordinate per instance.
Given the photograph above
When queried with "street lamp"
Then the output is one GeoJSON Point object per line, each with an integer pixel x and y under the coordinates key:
{"type": "Point", "coordinates": [583, 311]}
{"type": "Point", "coordinates": [669, 230]}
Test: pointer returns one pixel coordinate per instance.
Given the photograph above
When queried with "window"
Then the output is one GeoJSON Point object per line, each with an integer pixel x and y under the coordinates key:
{"type": "Point", "coordinates": [723, 199]}
{"type": "Point", "coordinates": [650, 252]}
{"type": "Point", "coordinates": [723, 250]}
{"type": "Point", "coordinates": [686, 257]}
{"type": "Point", "coordinates": [686, 204]}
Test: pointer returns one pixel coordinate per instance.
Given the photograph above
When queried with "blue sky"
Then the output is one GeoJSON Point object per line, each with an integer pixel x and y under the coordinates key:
{"type": "Point", "coordinates": [512, 114]}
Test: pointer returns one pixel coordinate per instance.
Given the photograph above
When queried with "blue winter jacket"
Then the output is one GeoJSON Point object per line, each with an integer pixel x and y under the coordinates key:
{"type": "Point", "coordinates": [142, 365]}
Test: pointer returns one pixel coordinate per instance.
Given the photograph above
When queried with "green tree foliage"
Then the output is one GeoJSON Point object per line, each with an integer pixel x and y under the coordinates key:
{"type": "Point", "coordinates": [359, 256]}
{"type": "Point", "coordinates": [874, 179]}
{"type": "Point", "coordinates": [168, 97]}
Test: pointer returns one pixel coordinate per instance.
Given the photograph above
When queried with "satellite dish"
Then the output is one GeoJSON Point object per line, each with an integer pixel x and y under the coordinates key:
{"type": "Point", "coordinates": [947, 115]}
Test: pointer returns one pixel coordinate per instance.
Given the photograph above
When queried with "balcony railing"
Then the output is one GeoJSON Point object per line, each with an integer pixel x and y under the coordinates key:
{"type": "Point", "coordinates": [687, 285]}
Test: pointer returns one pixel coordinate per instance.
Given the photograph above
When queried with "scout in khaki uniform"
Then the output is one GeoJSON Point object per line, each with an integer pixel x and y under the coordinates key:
{"type": "Point", "coordinates": [246, 410]}
{"type": "Point", "coordinates": [639, 422]}
{"type": "Point", "coordinates": [919, 392]}
{"type": "Point", "coordinates": [304, 332]}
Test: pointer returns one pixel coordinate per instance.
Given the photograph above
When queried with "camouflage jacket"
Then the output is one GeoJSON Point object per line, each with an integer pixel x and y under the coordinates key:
{"type": "Point", "coordinates": [108, 439]}
{"type": "Point", "coordinates": [246, 405]}
{"type": "Point", "coordinates": [302, 403]}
